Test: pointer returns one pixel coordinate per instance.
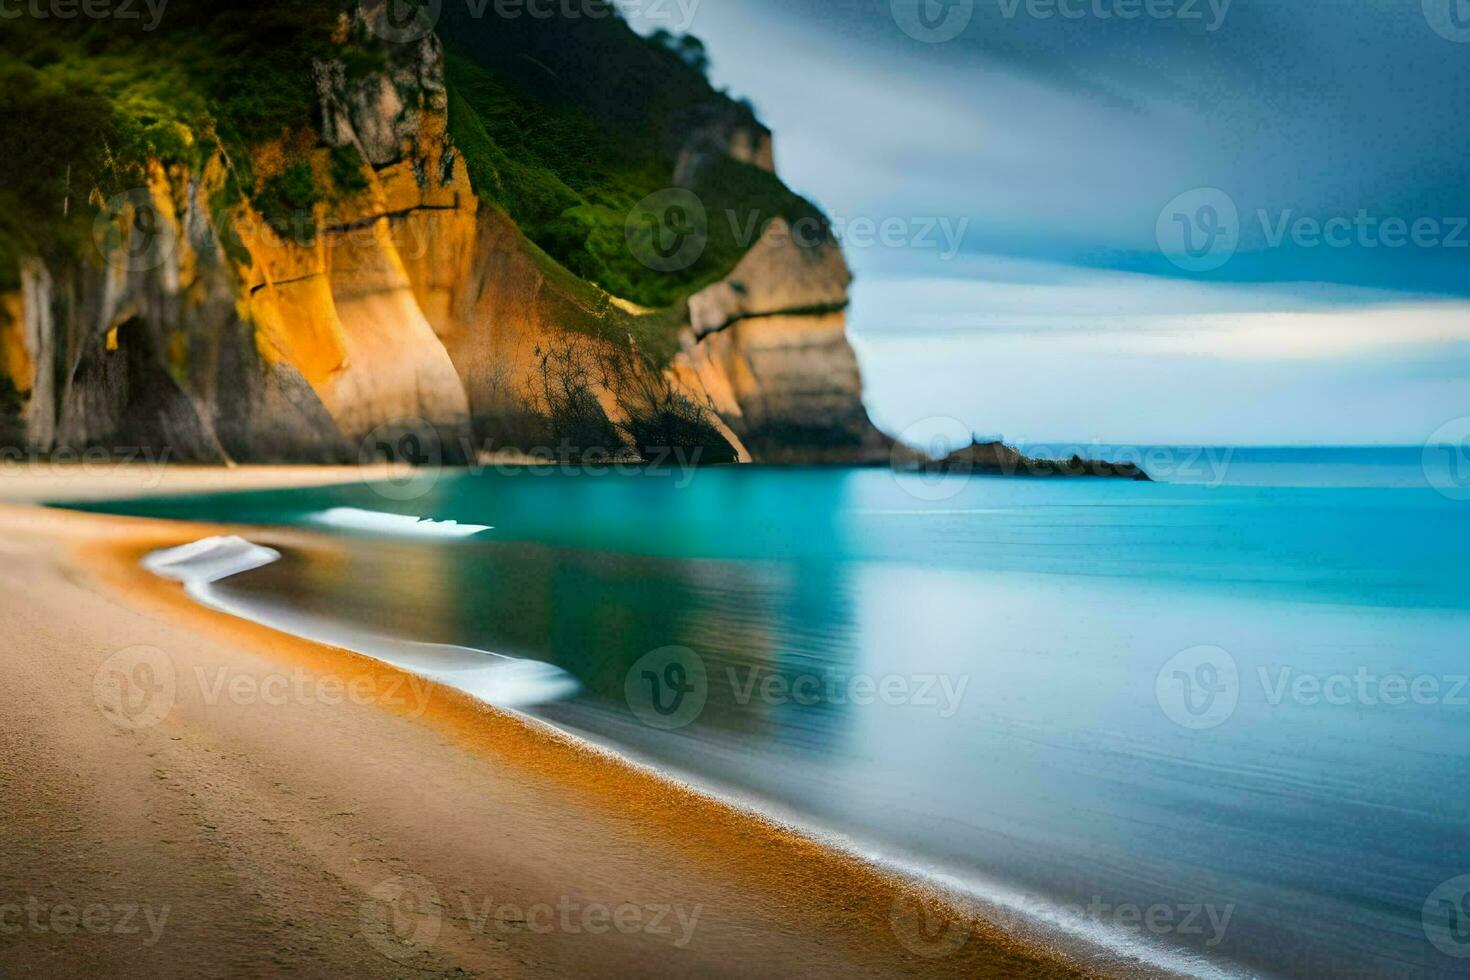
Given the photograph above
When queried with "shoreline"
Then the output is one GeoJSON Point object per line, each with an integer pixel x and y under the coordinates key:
{"type": "Point", "coordinates": [819, 908]}
{"type": "Point", "coordinates": [1047, 923]}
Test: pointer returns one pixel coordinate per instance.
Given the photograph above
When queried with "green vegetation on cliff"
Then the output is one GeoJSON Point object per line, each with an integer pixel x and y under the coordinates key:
{"type": "Point", "coordinates": [566, 124]}
{"type": "Point", "coordinates": [88, 102]}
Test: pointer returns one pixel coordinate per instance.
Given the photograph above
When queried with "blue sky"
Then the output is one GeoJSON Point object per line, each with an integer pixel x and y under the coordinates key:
{"type": "Point", "coordinates": [1045, 161]}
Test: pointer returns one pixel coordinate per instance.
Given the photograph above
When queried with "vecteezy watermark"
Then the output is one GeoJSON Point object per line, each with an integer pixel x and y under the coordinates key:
{"type": "Point", "coordinates": [36, 916]}
{"type": "Point", "coordinates": [1207, 920]}
{"type": "Point", "coordinates": [244, 230]}
{"type": "Point", "coordinates": [934, 458]}
{"type": "Point", "coordinates": [410, 21]}
{"type": "Point", "coordinates": [1363, 229]}
{"type": "Point", "coordinates": [1202, 687]}
{"type": "Point", "coordinates": [407, 692]}
{"type": "Point", "coordinates": [1201, 230]}
{"type": "Point", "coordinates": [1198, 688]}
{"type": "Point", "coordinates": [566, 459]}
{"type": "Point", "coordinates": [938, 439]}
{"type": "Point", "coordinates": [670, 921]}
{"type": "Point", "coordinates": [1363, 687]}
{"type": "Point", "coordinates": [122, 10]}
{"type": "Point", "coordinates": [95, 461]}
{"type": "Point", "coordinates": [935, 921]}
{"type": "Point", "coordinates": [667, 688]}
{"type": "Point", "coordinates": [942, 692]}
{"type": "Point", "coordinates": [932, 21]}
{"type": "Point", "coordinates": [409, 443]}
{"type": "Point", "coordinates": [139, 686]}
{"type": "Point", "coordinates": [668, 231]}
{"type": "Point", "coordinates": [1207, 466]}
{"type": "Point", "coordinates": [932, 920]}
{"type": "Point", "coordinates": [1209, 14]}
{"type": "Point", "coordinates": [943, 234]}
{"type": "Point", "coordinates": [133, 234]}
{"type": "Point", "coordinates": [1446, 459]}
{"type": "Point", "coordinates": [136, 687]}
{"type": "Point", "coordinates": [401, 21]}
{"type": "Point", "coordinates": [135, 231]}
{"type": "Point", "coordinates": [403, 916]}
{"type": "Point", "coordinates": [1450, 19]}
{"type": "Point", "coordinates": [416, 447]}
{"type": "Point", "coordinates": [936, 21]}
{"type": "Point", "coordinates": [1446, 917]}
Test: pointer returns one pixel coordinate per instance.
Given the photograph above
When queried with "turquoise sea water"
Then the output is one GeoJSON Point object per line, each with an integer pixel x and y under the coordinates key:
{"type": "Point", "coordinates": [1225, 719]}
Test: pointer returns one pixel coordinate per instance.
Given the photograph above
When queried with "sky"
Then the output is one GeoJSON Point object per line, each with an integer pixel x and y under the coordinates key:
{"type": "Point", "coordinates": [1131, 221]}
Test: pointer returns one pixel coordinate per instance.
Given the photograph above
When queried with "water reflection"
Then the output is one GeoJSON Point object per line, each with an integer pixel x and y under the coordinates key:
{"type": "Point", "coordinates": [974, 684]}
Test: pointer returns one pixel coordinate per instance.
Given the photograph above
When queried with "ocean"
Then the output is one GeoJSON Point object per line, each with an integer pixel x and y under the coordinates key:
{"type": "Point", "coordinates": [1219, 722]}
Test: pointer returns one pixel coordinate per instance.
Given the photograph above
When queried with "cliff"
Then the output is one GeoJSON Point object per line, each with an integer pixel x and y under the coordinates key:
{"type": "Point", "coordinates": [442, 247]}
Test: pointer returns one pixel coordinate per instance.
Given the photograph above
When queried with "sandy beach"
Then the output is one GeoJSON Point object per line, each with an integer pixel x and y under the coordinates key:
{"type": "Point", "coordinates": [272, 806]}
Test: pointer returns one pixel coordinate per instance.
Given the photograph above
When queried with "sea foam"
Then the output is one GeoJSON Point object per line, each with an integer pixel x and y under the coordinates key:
{"type": "Point", "coordinates": [379, 522]}
{"type": "Point", "coordinates": [506, 682]}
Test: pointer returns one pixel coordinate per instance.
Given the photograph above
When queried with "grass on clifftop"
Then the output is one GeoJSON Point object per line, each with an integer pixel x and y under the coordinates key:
{"type": "Point", "coordinates": [572, 182]}
{"type": "Point", "coordinates": [565, 124]}
{"type": "Point", "coordinates": [87, 102]}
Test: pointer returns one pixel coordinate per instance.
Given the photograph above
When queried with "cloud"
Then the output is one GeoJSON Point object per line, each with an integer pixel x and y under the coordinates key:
{"type": "Point", "coordinates": [1059, 141]}
{"type": "Point", "coordinates": [1063, 138]}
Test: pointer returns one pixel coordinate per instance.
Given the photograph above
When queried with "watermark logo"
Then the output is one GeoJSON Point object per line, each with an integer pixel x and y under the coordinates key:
{"type": "Point", "coordinates": [668, 230]}
{"type": "Point", "coordinates": [1199, 230]}
{"type": "Point", "coordinates": [406, 693]}
{"type": "Point", "coordinates": [1363, 688]}
{"type": "Point", "coordinates": [932, 21]}
{"type": "Point", "coordinates": [401, 21]}
{"type": "Point", "coordinates": [1450, 19]}
{"type": "Point", "coordinates": [1184, 11]}
{"type": "Point", "coordinates": [136, 687]}
{"type": "Point", "coordinates": [408, 442]}
{"type": "Point", "coordinates": [401, 917]}
{"type": "Point", "coordinates": [930, 921]}
{"type": "Point", "coordinates": [94, 461]}
{"type": "Point", "coordinates": [676, 923]}
{"type": "Point", "coordinates": [1201, 688]}
{"type": "Point", "coordinates": [1446, 917]}
{"type": "Point", "coordinates": [132, 234]}
{"type": "Point", "coordinates": [667, 688]}
{"type": "Point", "coordinates": [935, 440]}
{"type": "Point", "coordinates": [944, 693]}
{"type": "Point", "coordinates": [88, 9]}
{"type": "Point", "coordinates": [93, 918]}
{"type": "Point", "coordinates": [1446, 459]}
{"type": "Point", "coordinates": [1198, 688]}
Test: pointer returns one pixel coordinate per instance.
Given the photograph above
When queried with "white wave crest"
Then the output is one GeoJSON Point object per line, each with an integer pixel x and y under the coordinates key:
{"type": "Point", "coordinates": [379, 522]}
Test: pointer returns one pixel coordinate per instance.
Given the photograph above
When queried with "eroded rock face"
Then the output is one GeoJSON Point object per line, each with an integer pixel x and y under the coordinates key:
{"type": "Point", "coordinates": [222, 338]}
{"type": "Point", "coordinates": [273, 349]}
{"type": "Point", "coordinates": [769, 349]}
{"type": "Point", "coordinates": [371, 113]}
{"type": "Point", "coordinates": [141, 345]}
{"type": "Point", "coordinates": [715, 130]}
{"type": "Point", "coordinates": [786, 271]}
{"type": "Point", "coordinates": [788, 386]}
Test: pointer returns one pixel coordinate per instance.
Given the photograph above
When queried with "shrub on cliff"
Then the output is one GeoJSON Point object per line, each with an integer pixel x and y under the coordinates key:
{"type": "Point", "coordinates": [570, 412]}
{"type": "Point", "coordinates": [567, 124]}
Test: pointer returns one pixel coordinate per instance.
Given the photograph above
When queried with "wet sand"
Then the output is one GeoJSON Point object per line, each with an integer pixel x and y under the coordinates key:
{"type": "Point", "coordinates": [286, 808]}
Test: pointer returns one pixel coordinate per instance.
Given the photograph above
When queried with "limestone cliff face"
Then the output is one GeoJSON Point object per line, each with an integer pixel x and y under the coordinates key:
{"type": "Point", "coordinates": [409, 304]}
{"type": "Point", "coordinates": [768, 345]}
